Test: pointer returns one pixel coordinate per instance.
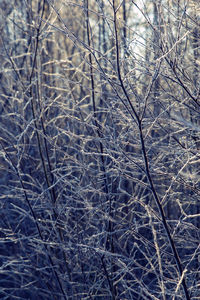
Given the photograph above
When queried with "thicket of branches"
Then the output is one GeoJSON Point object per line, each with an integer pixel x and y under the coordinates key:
{"type": "Point", "coordinates": [100, 141]}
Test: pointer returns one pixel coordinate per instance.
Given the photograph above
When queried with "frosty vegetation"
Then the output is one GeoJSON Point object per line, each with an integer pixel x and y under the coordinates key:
{"type": "Point", "coordinates": [100, 149]}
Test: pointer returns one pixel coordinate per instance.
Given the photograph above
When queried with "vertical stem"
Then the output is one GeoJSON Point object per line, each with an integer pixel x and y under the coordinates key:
{"type": "Point", "coordinates": [109, 239]}
{"type": "Point", "coordinates": [148, 174]}
{"type": "Point", "coordinates": [47, 170]}
{"type": "Point", "coordinates": [124, 27]}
